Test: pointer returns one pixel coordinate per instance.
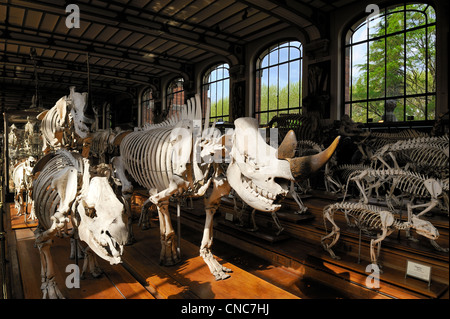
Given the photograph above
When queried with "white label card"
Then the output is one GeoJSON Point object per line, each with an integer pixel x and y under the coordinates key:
{"type": "Point", "coordinates": [418, 271]}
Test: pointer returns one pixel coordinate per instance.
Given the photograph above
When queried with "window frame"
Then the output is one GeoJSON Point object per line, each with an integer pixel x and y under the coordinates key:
{"type": "Point", "coordinates": [347, 44]}
{"type": "Point", "coordinates": [170, 95]}
{"type": "Point", "coordinates": [266, 51]}
{"type": "Point", "coordinates": [205, 89]}
{"type": "Point", "coordinates": [150, 107]}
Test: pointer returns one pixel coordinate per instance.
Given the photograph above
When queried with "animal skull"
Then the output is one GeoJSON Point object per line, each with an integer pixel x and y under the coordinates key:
{"type": "Point", "coordinates": [259, 173]}
{"type": "Point", "coordinates": [102, 224]}
{"type": "Point", "coordinates": [77, 105]}
{"type": "Point", "coordinates": [424, 228]}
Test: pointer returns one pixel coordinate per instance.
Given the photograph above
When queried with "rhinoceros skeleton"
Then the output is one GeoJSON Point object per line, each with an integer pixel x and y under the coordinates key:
{"type": "Point", "coordinates": [65, 185]}
{"type": "Point", "coordinates": [180, 158]}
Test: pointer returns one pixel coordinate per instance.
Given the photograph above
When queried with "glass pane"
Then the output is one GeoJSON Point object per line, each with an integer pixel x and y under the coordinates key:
{"type": "Point", "coordinates": [377, 65]}
{"type": "Point", "coordinates": [359, 112]}
{"type": "Point", "coordinates": [376, 111]}
{"type": "Point", "coordinates": [212, 94]}
{"type": "Point", "coordinates": [395, 68]}
{"type": "Point", "coordinates": [376, 26]}
{"type": "Point", "coordinates": [294, 53]}
{"type": "Point", "coordinates": [399, 111]}
{"type": "Point", "coordinates": [432, 59]}
{"type": "Point", "coordinates": [283, 93]}
{"type": "Point", "coordinates": [264, 90]}
{"type": "Point", "coordinates": [219, 96]}
{"type": "Point", "coordinates": [415, 61]}
{"type": "Point", "coordinates": [263, 118]}
{"type": "Point", "coordinates": [284, 54]}
{"type": "Point", "coordinates": [273, 88]}
{"type": "Point", "coordinates": [213, 76]}
{"type": "Point", "coordinates": [431, 109]}
{"type": "Point", "coordinates": [431, 14]}
{"type": "Point", "coordinates": [415, 16]}
{"type": "Point", "coordinates": [360, 33]}
{"type": "Point", "coordinates": [273, 57]}
{"type": "Point", "coordinates": [226, 73]}
{"type": "Point", "coordinates": [226, 107]}
{"type": "Point", "coordinates": [265, 62]}
{"type": "Point", "coordinates": [415, 109]}
{"type": "Point", "coordinates": [294, 94]}
{"type": "Point", "coordinates": [359, 72]}
{"type": "Point", "coordinates": [395, 20]}
{"type": "Point", "coordinates": [213, 112]}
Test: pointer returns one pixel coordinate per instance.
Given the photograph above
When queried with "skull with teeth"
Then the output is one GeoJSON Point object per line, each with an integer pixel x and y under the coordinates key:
{"type": "Point", "coordinates": [101, 220]}
{"type": "Point", "coordinates": [259, 173]}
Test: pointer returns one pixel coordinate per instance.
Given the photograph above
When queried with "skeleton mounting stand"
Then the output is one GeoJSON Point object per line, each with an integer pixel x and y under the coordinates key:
{"type": "Point", "coordinates": [3, 289]}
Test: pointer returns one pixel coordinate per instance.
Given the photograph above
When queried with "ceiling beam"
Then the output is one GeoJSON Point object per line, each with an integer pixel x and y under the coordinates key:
{"type": "Point", "coordinates": [281, 11]}
{"type": "Point", "coordinates": [123, 21]}
{"type": "Point", "coordinates": [14, 35]}
{"type": "Point", "coordinates": [78, 68]}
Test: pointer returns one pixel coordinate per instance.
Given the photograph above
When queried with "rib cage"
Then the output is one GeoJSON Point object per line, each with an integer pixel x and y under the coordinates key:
{"type": "Point", "coordinates": [50, 126]}
{"type": "Point", "coordinates": [366, 217]}
{"type": "Point", "coordinates": [405, 181]}
{"type": "Point", "coordinates": [45, 197]}
{"type": "Point", "coordinates": [428, 154]}
{"type": "Point", "coordinates": [148, 157]}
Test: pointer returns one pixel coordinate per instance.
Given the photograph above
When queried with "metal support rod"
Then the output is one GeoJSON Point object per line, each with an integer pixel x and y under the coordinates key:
{"type": "Point", "coordinates": [3, 289]}
{"type": "Point", "coordinates": [178, 229]}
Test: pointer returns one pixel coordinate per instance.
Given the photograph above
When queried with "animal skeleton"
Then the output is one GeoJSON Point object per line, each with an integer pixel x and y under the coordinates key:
{"type": "Point", "coordinates": [413, 185]}
{"type": "Point", "coordinates": [65, 185]}
{"type": "Point", "coordinates": [65, 122]}
{"type": "Point", "coordinates": [179, 158]}
{"type": "Point", "coordinates": [22, 178]}
{"type": "Point", "coordinates": [423, 154]}
{"type": "Point", "coordinates": [370, 218]}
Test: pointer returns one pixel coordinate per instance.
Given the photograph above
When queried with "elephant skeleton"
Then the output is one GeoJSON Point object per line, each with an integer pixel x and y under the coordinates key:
{"type": "Point", "coordinates": [183, 159]}
{"type": "Point", "coordinates": [66, 186]}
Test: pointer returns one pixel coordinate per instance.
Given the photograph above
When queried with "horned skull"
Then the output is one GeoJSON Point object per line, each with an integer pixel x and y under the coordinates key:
{"type": "Point", "coordinates": [259, 173]}
{"type": "Point", "coordinates": [102, 225]}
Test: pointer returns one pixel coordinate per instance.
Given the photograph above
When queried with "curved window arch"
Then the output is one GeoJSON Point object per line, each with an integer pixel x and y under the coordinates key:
{"type": "Point", "coordinates": [390, 65]}
{"type": "Point", "coordinates": [175, 96]}
{"type": "Point", "coordinates": [216, 87]}
{"type": "Point", "coordinates": [278, 81]}
{"type": "Point", "coordinates": [147, 106]}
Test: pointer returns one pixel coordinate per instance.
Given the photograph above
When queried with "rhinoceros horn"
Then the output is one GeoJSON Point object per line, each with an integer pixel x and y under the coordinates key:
{"type": "Point", "coordinates": [302, 167]}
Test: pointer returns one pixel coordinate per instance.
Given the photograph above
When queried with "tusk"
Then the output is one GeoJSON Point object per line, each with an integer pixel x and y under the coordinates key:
{"type": "Point", "coordinates": [306, 165]}
{"type": "Point", "coordinates": [287, 147]}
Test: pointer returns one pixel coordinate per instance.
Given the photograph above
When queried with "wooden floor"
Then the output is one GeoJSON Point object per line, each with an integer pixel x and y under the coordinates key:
{"type": "Point", "coordinates": [139, 276]}
{"type": "Point", "coordinates": [265, 266]}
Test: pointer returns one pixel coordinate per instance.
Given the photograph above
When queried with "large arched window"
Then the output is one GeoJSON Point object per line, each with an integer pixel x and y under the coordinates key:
{"type": "Point", "coordinates": [278, 79]}
{"type": "Point", "coordinates": [147, 106]}
{"type": "Point", "coordinates": [390, 65]}
{"type": "Point", "coordinates": [216, 87]}
{"type": "Point", "coordinates": [175, 96]}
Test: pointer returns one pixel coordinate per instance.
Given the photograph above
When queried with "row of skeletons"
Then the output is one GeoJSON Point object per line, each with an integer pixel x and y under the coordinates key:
{"type": "Point", "coordinates": [24, 147]}
{"type": "Point", "coordinates": [407, 170]}
{"type": "Point", "coordinates": [182, 157]}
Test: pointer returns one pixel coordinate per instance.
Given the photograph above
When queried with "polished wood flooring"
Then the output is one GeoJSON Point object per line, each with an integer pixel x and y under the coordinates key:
{"type": "Point", "coordinates": [292, 265]}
